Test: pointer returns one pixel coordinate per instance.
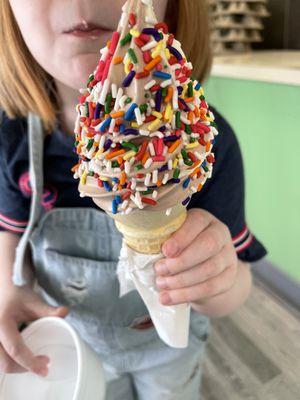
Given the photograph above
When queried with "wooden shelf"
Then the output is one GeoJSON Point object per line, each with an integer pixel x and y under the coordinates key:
{"type": "Point", "coordinates": [268, 66]}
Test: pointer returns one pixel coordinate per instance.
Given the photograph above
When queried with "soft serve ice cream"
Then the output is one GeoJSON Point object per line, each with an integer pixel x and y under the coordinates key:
{"type": "Point", "coordinates": [144, 132]}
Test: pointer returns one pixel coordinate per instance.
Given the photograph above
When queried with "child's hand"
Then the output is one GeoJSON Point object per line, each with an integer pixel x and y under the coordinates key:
{"type": "Point", "coordinates": [201, 261]}
{"type": "Point", "coordinates": [18, 305]}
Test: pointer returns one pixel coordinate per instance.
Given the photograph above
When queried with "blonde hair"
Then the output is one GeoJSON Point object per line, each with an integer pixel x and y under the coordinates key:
{"type": "Point", "coordinates": [25, 86]}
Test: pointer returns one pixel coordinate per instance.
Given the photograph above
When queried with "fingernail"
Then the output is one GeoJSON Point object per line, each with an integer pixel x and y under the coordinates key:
{"type": "Point", "coordinates": [43, 372]}
{"type": "Point", "coordinates": [42, 361]}
{"type": "Point", "coordinates": [171, 248]}
{"type": "Point", "coordinates": [161, 268]}
{"type": "Point", "coordinates": [161, 283]}
{"type": "Point", "coordinates": [46, 359]}
{"type": "Point", "coordinates": [165, 298]}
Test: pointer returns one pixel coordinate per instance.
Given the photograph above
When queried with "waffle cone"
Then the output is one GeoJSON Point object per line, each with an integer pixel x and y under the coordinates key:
{"type": "Point", "coordinates": [145, 231]}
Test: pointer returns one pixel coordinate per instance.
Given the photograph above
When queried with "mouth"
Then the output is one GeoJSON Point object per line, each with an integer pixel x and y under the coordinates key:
{"type": "Point", "coordinates": [86, 29]}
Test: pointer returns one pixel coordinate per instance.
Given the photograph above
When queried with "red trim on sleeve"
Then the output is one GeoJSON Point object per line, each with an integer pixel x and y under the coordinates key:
{"type": "Point", "coordinates": [12, 221]}
{"type": "Point", "coordinates": [12, 224]}
{"type": "Point", "coordinates": [245, 244]}
{"type": "Point", "coordinates": [11, 228]}
{"type": "Point", "coordinates": [241, 235]}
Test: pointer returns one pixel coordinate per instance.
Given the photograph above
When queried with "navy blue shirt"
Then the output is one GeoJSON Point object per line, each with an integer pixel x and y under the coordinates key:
{"type": "Point", "coordinates": [222, 195]}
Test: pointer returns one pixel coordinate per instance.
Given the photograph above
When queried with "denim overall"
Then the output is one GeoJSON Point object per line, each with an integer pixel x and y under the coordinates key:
{"type": "Point", "coordinates": [75, 253]}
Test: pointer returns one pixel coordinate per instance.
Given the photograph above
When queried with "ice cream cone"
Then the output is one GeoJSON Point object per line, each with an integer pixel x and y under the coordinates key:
{"type": "Point", "coordinates": [144, 135]}
{"type": "Point", "coordinates": [145, 231]}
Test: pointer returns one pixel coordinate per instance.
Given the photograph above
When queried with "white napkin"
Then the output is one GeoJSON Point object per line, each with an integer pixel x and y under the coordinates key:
{"type": "Point", "coordinates": [136, 271]}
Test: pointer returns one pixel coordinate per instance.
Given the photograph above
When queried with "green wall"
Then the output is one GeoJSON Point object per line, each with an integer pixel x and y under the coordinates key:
{"type": "Point", "coordinates": [266, 119]}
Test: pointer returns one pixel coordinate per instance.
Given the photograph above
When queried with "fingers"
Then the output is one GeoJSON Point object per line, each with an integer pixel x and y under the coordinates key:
{"type": "Point", "coordinates": [210, 288]}
{"type": "Point", "coordinates": [207, 244]}
{"type": "Point", "coordinates": [16, 349]}
{"type": "Point", "coordinates": [44, 310]}
{"type": "Point", "coordinates": [7, 365]}
{"type": "Point", "coordinates": [62, 311]}
{"type": "Point", "coordinates": [196, 221]}
{"type": "Point", "coordinates": [39, 309]}
{"type": "Point", "coordinates": [201, 273]}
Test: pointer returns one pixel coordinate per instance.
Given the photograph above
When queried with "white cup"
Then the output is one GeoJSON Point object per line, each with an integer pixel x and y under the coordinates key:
{"type": "Point", "coordinates": [75, 370]}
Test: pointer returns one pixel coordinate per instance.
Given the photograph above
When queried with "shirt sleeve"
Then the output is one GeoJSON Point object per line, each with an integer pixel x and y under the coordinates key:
{"type": "Point", "coordinates": [223, 195]}
{"type": "Point", "coordinates": [14, 206]}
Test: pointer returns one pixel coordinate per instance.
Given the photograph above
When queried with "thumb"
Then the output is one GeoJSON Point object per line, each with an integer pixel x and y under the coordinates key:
{"type": "Point", "coordinates": [42, 309]}
{"type": "Point", "coordinates": [196, 221]}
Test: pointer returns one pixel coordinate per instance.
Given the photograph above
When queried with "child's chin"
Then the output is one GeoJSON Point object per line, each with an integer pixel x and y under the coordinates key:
{"type": "Point", "coordinates": [81, 69]}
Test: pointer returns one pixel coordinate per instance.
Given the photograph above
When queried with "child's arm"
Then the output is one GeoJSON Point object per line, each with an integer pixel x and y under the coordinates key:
{"type": "Point", "coordinates": [18, 305]}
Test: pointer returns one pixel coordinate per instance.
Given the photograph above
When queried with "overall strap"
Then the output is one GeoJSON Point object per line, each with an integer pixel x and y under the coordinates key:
{"type": "Point", "coordinates": [36, 144]}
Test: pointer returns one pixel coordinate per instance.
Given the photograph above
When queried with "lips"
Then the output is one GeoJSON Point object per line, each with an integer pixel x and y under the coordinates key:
{"type": "Point", "coordinates": [85, 29]}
